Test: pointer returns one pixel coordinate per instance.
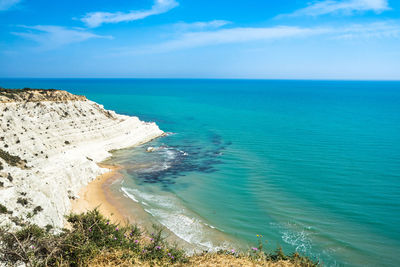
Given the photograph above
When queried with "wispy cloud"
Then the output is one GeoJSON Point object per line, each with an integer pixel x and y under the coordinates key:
{"type": "Point", "coordinates": [95, 19]}
{"type": "Point", "coordinates": [7, 4]}
{"type": "Point", "coordinates": [201, 25]}
{"type": "Point", "coordinates": [50, 37]}
{"type": "Point", "coordinates": [193, 39]}
{"type": "Point", "coordinates": [229, 36]}
{"type": "Point", "coordinates": [344, 7]}
{"type": "Point", "coordinates": [376, 30]}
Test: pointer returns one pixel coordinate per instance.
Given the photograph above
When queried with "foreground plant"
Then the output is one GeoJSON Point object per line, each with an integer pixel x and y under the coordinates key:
{"type": "Point", "coordinates": [92, 240]}
{"type": "Point", "coordinates": [90, 234]}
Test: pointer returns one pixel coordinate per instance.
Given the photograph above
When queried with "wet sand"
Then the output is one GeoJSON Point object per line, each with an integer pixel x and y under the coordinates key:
{"type": "Point", "coordinates": [120, 209]}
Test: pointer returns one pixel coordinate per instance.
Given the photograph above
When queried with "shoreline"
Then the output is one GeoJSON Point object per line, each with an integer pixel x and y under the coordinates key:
{"type": "Point", "coordinates": [99, 194]}
{"type": "Point", "coordinates": [118, 208]}
{"type": "Point", "coordinates": [49, 162]}
{"type": "Point", "coordinates": [94, 195]}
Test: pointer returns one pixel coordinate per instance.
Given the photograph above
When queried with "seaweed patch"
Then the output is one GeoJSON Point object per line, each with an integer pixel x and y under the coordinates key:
{"type": "Point", "coordinates": [168, 162]}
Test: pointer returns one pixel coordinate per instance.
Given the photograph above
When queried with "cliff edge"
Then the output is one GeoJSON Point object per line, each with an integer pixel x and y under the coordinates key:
{"type": "Point", "coordinates": [50, 141]}
{"type": "Point", "coordinates": [37, 95]}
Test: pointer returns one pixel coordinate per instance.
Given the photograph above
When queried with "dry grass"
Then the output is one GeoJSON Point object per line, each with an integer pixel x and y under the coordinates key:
{"type": "Point", "coordinates": [36, 95]}
{"type": "Point", "coordinates": [210, 259]}
{"type": "Point", "coordinates": [231, 260]}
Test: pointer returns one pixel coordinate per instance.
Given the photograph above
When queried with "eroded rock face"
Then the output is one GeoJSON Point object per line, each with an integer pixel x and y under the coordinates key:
{"type": "Point", "coordinates": [37, 95]}
{"type": "Point", "coordinates": [50, 148]}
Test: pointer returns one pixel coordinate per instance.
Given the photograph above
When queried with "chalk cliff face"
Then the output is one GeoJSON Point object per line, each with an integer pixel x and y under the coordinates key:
{"type": "Point", "coordinates": [50, 141]}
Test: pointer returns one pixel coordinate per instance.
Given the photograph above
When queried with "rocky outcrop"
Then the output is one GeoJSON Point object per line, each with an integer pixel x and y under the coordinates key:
{"type": "Point", "coordinates": [50, 141]}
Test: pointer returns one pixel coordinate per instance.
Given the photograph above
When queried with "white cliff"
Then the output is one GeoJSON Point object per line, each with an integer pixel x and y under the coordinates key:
{"type": "Point", "coordinates": [50, 142]}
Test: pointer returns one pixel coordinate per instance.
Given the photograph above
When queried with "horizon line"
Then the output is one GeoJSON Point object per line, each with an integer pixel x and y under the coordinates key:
{"type": "Point", "coordinates": [186, 78]}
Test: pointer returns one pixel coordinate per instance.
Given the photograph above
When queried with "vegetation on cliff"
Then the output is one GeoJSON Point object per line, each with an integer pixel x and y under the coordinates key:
{"type": "Point", "coordinates": [11, 159]}
{"type": "Point", "coordinates": [36, 95]}
{"type": "Point", "coordinates": [93, 240]}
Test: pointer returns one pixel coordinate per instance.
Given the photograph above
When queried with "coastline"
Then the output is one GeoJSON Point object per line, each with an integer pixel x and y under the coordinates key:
{"type": "Point", "coordinates": [102, 189]}
{"type": "Point", "coordinates": [104, 194]}
{"type": "Point", "coordinates": [44, 165]}
{"type": "Point", "coordinates": [95, 195]}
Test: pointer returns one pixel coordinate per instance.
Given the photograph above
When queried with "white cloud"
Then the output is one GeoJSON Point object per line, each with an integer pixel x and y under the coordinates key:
{"type": "Point", "coordinates": [50, 37]}
{"type": "Point", "coordinates": [201, 25]}
{"type": "Point", "coordinates": [346, 7]}
{"type": "Point", "coordinates": [367, 31]}
{"type": "Point", "coordinates": [95, 19]}
{"type": "Point", "coordinates": [192, 39]}
{"type": "Point", "coordinates": [233, 35]}
{"type": "Point", "coordinates": [7, 4]}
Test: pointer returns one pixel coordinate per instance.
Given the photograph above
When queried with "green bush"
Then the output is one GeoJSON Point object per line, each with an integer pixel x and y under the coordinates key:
{"type": "Point", "coordinates": [90, 237]}
{"type": "Point", "coordinates": [10, 159]}
{"type": "Point", "coordinates": [37, 209]}
{"type": "Point", "coordinates": [22, 201]}
{"type": "Point", "coordinates": [3, 209]}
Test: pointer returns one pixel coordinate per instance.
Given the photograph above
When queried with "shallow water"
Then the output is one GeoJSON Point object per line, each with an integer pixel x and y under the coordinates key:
{"type": "Point", "coordinates": [312, 166]}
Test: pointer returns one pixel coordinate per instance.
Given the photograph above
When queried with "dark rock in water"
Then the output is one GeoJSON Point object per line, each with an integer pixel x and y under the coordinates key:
{"type": "Point", "coordinates": [187, 158]}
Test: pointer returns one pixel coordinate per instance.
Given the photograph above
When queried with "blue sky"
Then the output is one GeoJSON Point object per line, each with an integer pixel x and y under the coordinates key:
{"type": "Point", "coordinates": [257, 39]}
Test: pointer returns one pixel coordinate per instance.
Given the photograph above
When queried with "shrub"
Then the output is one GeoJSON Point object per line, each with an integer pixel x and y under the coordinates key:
{"type": "Point", "coordinates": [90, 234]}
{"type": "Point", "coordinates": [91, 238]}
{"type": "Point", "coordinates": [37, 209]}
{"type": "Point", "coordinates": [22, 201]}
{"type": "Point", "coordinates": [48, 227]}
{"type": "Point", "coordinates": [10, 159]}
{"type": "Point", "coordinates": [3, 209]}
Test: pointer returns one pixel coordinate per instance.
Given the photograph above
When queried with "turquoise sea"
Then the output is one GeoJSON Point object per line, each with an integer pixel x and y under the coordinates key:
{"type": "Point", "coordinates": [313, 166]}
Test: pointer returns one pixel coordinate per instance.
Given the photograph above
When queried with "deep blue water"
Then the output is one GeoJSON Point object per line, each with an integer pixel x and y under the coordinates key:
{"type": "Point", "coordinates": [313, 166]}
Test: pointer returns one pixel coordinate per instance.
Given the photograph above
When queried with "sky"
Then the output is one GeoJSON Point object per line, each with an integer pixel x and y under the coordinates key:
{"type": "Point", "coordinates": [252, 39]}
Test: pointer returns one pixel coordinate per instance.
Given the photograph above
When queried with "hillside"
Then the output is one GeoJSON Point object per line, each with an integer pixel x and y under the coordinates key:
{"type": "Point", "coordinates": [50, 142]}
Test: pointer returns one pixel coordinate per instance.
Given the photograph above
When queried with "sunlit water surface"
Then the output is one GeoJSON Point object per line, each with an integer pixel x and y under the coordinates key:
{"type": "Point", "coordinates": [312, 166]}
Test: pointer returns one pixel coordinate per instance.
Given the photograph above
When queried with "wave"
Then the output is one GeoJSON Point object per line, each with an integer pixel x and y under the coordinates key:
{"type": "Point", "coordinates": [295, 235]}
{"type": "Point", "coordinates": [126, 193]}
{"type": "Point", "coordinates": [165, 157]}
{"type": "Point", "coordinates": [177, 219]}
{"type": "Point", "coordinates": [300, 238]}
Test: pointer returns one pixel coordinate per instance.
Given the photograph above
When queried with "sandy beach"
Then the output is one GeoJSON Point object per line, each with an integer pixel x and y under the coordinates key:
{"type": "Point", "coordinates": [96, 195]}
{"type": "Point", "coordinates": [73, 134]}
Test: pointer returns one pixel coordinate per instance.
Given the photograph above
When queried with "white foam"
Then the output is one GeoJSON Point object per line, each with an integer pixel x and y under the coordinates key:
{"type": "Point", "coordinates": [168, 212]}
{"type": "Point", "coordinates": [213, 227]}
{"type": "Point", "coordinates": [153, 199]}
{"type": "Point", "coordinates": [171, 154]}
{"type": "Point", "coordinates": [295, 235]}
{"type": "Point", "coordinates": [129, 195]}
{"type": "Point", "coordinates": [156, 168]}
{"type": "Point", "coordinates": [300, 240]}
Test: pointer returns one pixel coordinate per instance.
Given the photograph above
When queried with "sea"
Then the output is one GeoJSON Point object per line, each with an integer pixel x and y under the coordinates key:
{"type": "Point", "coordinates": [309, 166]}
